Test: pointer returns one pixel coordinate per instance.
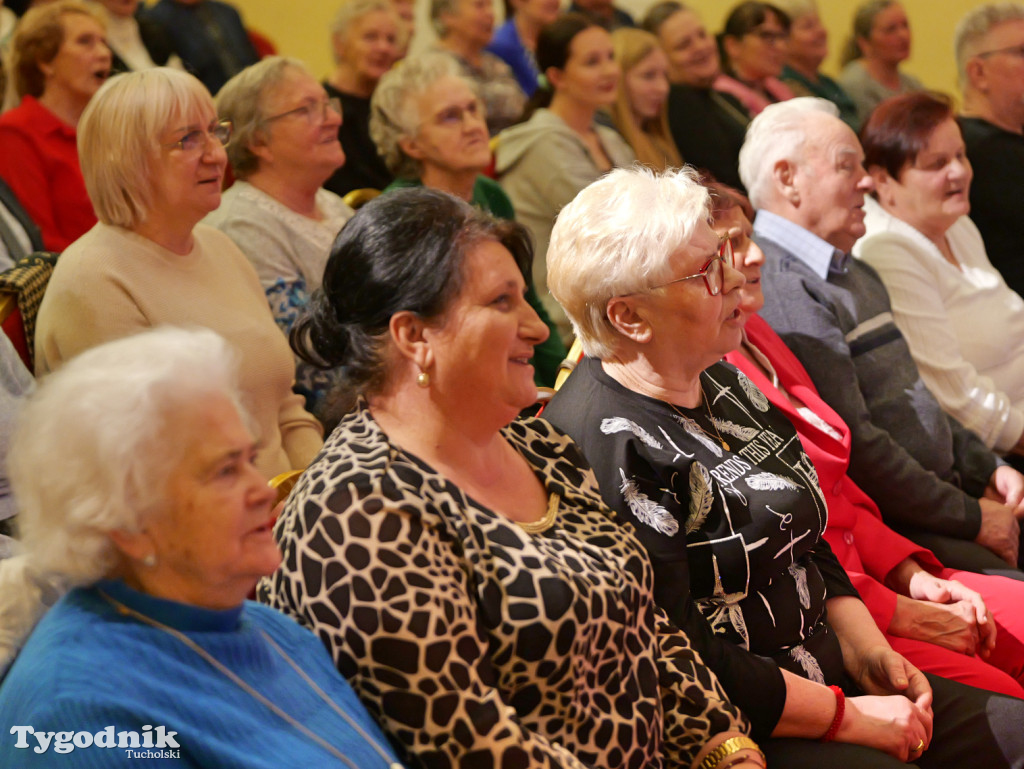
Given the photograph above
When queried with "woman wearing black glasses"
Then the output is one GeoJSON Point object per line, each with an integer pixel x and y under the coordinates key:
{"type": "Point", "coordinates": [152, 154]}
{"type": "Point", "coordinates": [284, 147]}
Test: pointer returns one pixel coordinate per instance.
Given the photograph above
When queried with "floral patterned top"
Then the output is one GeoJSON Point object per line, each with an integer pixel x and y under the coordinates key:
{"type": "Point", "coordinates": [476, 643]}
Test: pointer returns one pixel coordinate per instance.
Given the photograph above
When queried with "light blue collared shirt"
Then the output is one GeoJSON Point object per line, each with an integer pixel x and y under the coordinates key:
{"type": "Point", "coordinates": [820, 255]}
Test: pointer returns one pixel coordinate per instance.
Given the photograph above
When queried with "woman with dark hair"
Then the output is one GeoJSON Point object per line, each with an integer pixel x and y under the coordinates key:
{"type": "Point", "coordinates": [515, 41]}
{"type": "Point", "coordinates": [462, 570]}
{"type": "Point", "coordinates": [707, 126]}
{"type": "Point", "coordinates": [753, 45]}
{"type": "Point", "coordinates": [879, 43]}
{"type": "Point", "coordinates": [543, 162]}
{"type": "Point", "coordinates": [59, 60]}
{"type": "Point", "coordinates": [932, 260]}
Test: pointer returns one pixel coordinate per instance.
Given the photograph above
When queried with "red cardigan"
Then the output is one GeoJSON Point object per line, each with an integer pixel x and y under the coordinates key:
{"type": "Point", "coordinates": [864, 545]}
{"type": "Point", "coordinates": [39, 161]}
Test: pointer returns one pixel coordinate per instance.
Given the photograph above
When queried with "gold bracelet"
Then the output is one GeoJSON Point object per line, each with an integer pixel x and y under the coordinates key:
{"type": "Point", "coordinates": [727, 748]}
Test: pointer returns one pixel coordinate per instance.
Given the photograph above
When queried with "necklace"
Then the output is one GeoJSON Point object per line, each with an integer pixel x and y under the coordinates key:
{"type": "Point", "coordinates": [711, 419]}
{"type": "Point", "coordinates": [234, 678]}
{"type": "Point", "coordinates": [545, 523]}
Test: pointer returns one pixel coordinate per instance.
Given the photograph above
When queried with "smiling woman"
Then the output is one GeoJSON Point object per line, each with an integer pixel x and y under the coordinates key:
{"type": "Point", "coordinates": [933, 262]}
{"type": "Point", "coordinates": [511, 596]}
{"type": "Point", "coordinates": [284, 148]}
{"type": "Point", "coordinates": [153, 160]}
{"type": "Point", "coordinates": [59, 60]}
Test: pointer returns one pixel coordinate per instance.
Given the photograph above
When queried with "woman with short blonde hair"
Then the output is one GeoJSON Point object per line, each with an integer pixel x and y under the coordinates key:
{"type": "Point", "coordinates": [147, 262]}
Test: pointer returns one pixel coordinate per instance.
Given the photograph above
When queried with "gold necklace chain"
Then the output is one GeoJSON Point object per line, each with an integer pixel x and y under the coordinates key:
{"type": "Point", "coordinates": [545, 523]}
{"type": "Point", "coordinates": [231, 675]}
{"type": "Point", "coordinates": [711, 419]}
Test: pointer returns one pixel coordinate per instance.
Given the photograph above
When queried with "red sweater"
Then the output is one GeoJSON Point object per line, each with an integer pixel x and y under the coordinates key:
{"type": "Point", "coordinates": [39, 161]}
{"type": "Point", "coordinates": [864, 545]}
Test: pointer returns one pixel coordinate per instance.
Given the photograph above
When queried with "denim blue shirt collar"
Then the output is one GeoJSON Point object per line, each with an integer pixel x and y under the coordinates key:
{"type": "Point", "coordinates": [822, 257]}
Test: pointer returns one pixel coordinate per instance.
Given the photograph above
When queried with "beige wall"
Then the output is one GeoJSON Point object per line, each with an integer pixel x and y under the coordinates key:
{"type": "Point", "coordinates": [299, 28]}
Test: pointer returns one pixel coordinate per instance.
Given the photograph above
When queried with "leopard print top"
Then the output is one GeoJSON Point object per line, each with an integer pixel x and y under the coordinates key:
{"type": "Point", "coordinates": [475, 643]}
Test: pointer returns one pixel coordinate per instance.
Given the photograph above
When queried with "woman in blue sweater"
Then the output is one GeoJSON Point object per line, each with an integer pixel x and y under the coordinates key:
{"type": "Point", "coordinates": [133, 468]}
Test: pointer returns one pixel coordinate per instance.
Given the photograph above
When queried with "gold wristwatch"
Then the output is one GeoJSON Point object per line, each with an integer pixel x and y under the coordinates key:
{"type": "Point", "coordinates": [727, 748]}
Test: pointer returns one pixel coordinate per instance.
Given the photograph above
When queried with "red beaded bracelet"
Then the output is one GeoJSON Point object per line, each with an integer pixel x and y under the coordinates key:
{"type": "Point", "coordinates": [837, 720]}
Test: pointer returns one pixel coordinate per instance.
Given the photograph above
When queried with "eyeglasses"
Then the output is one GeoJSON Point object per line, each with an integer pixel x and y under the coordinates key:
{"type": "Point", "coordinates": [771, 37]}
{"type": "Point", "coordinates": [713, 270]}
{"type": "Point", "coordinates": [315, 112]}
{"type": "Point", "coordinates": [1013, 50]}
{"type": "Point", "coordinates": [454, 117]}
{"type": "Point", "coordinates": [197, 140]}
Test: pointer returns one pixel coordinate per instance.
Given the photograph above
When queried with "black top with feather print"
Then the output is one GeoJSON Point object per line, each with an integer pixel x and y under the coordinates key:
{"type": "Point", "coordinates": [741, 526]}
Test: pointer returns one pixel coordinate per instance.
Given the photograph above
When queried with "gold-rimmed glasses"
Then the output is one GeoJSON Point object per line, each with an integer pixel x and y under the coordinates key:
{"type": "Point", "coordinates": [198, 138]}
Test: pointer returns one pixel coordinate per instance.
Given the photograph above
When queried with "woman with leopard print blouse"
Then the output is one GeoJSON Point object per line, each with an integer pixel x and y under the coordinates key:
{"type": "Point", "coordinates": [463, 571]}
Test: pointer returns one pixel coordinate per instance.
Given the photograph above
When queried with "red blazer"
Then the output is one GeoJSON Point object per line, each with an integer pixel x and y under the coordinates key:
{"type": "Point", "coordinates": [864, 545]}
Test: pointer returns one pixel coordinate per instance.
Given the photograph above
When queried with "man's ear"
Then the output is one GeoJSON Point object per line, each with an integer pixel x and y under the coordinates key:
{"type": "Point", "coordinates": [976, 74]}
{"type": "Point", "coordinates": [784, 178]}
{"type": "Point", "coordinates": [629, 319]}
{"type": "Point", "coordinates": [409, 334]}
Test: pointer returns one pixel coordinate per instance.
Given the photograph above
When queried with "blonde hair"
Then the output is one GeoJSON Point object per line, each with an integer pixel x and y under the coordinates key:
{"type": "Point", "coordinates": [38, 38]}
{"type": "Point", "coordinates": [650, 139]}
{"type": "Point", "coordinates": [119, 134]}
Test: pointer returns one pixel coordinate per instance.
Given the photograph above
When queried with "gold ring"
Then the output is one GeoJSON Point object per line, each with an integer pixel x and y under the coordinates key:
{"type": "Point", "coordinates": [919, 748]}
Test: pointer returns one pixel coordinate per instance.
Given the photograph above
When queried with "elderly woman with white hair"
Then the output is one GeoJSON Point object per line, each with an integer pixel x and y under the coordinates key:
{"type": "Point", "coordinates": [156, 522]}
{"type": "Point", "coordinates": [464, 30]}
{"type": "Point", "coordinates": [366, 38]}
{"type": "Point", "coordinates": [722, 495]}
{"type": "Point", "coordinates": [428, 123]}
{"type": "Point", "coordinates": [153, 160]}
{"type": "Point", "coordinates": [284, 146]}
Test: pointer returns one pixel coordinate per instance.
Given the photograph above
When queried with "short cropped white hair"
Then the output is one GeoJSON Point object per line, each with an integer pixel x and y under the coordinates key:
{"type": "Point", "coordinates": [616, 238]}
{"type": "Point", "coordinates": [779, 132]}
{"type": "Point", "coordinates": [975, 26]}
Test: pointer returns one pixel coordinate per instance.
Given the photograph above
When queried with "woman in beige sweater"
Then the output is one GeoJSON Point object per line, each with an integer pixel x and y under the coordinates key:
{"type": "Point", "coordinates": [153, 158]}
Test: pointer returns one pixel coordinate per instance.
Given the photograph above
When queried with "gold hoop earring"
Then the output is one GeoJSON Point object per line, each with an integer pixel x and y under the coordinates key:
{"type": "Point", "coordinates": [423, 379]}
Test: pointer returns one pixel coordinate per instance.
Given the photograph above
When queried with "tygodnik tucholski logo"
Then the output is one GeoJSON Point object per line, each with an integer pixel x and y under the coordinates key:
{"type": "Point", "coordinates": [150, 743]}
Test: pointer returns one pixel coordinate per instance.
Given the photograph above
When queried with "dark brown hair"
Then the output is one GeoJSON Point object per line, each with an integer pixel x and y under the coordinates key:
{"type": "Point", "coordinates": [899, 128]}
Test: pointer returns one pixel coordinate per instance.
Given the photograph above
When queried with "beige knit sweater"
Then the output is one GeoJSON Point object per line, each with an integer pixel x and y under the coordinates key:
{"type": "Point", "coordinates": [111, 283]}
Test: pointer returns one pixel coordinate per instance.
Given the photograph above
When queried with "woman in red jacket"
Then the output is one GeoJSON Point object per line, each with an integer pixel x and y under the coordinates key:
{"type": "Point", "coordinates": [956, 624]}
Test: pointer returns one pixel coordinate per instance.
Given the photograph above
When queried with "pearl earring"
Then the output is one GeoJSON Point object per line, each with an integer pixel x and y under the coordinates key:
{"type": "Point", "coordinates": [423, 379]}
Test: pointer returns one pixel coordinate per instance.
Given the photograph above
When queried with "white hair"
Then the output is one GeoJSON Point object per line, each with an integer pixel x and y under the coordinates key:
{"type": "Point", "coordinates": [616, 238]}
{"type": "Point", "coordinates": [91, 455]}
{"type": "Point", "coordinates": [777, 133]}
{"type": "Point", "coordinates": [975, 26]}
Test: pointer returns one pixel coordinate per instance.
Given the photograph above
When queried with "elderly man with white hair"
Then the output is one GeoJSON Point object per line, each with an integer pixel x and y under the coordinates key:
{"type": "Point", "coordinates": [933, 480]}
{"type": "Point", "coordinates": [989, 45]}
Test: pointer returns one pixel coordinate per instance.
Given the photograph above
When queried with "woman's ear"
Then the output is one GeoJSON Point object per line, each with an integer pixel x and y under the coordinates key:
{"type": "Point", "coordinates": [135, 545]}
{"type": "Point", "coordinates": [628, 319]}
{"type": "Point", "coordinates": [884, 184]}
{"type": "Point", "coordinates": [731, 46]}
{"type": "Point", "coordinates": [555, 76]}
{"type": "Point", "coordinates": [410, 146]}
{"type": "Point", "coordinates": [411, 340]}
